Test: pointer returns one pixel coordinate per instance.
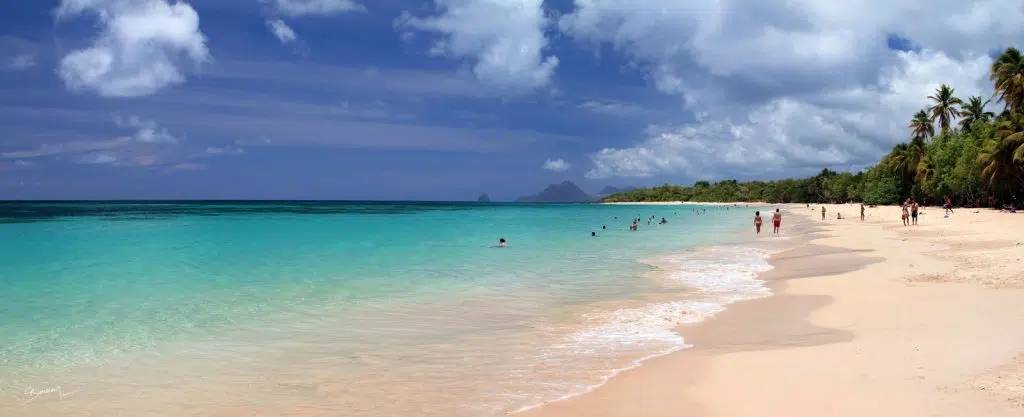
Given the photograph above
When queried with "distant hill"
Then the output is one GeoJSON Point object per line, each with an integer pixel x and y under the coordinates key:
{"type": "Point", "coordinates": [609, 190]}
{"type": "Point", "coordinates": [484, 198]}
{"type": "Point", "coordinates": [566, 192]}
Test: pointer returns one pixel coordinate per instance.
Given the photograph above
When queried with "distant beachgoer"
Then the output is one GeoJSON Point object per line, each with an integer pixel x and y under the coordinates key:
{"type": "Point", "coordinates": [502, 243]}
{"type": "Point", "coordinates": [823, 212]}
{"type": "Point", "coordinates": [604, 227]}
{"type": "Point", "coordinates": [593, 234]}
{"type": "Point", "coordinates": [839, 216]}
{"type": "Point", "coordinates": [906, 215]}
{"type": "Point", "coordinates": [776, 221]}
{"type": "Point", "coordinates": [948, 205]}
{"type": "Point", "coordinates": [913, 211]}
{"type": "Point", "coordinates": [862, 212]}
{"type": "Point", "coordinates": [633, 227]}
{"type": "Point", "coordinates": [757, 221]}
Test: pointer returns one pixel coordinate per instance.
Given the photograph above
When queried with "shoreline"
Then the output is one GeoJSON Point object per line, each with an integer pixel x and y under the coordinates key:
{"type": "Point", "coordinates": [690, 203]}
{"type": "Point", "coordinates": [850, 293]}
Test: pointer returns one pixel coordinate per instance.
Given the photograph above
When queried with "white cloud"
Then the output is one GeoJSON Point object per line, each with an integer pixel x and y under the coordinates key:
{"type": "Point", "coordinates": [281, 30]}
{"type": "Point", "coordinates": [21, 62]}
{"type": "Point", "coordinates": [788, 87]}
{"type": "Point", "coordinates": [296, 8]}
{"type": "Point", "coordinates": [504, 38]}
{"type": "Point", "coordinates": [557, 165]}
{"type": "Point", "coordinates": [849, 127]}
{"type": "Point", "coordinates": [141, 49]}
{"type": "Point", "coordinates": [147, 131]}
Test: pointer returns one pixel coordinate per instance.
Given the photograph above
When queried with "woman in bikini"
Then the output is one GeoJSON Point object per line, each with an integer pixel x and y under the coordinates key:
{"type": "Point", "coordinates": [757, 221]}
{"type": "Point", "coordinates": [906, 215]}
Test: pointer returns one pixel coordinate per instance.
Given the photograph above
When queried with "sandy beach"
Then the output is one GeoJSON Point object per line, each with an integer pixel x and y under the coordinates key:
{"type": "Point", "coordinates": [869, 318]}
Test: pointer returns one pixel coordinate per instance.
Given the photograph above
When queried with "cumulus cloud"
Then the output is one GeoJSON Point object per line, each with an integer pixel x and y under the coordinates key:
{"type": "Point", "coordinates": [281, 30]}
{"type": "Point", "coordinates": [21, 62]}
{"type": "Point", "coordinates": [504, 39]}
{"type": "Point", "coordinates": [849, 127]}
{"type": "Point", "coordinates": [296, 8]}
{"type": "Point", "coordinates": [557, 165]}
{"type": "Point", "coordinates": [788, 87]}
{"type": "Point", "coordinates": [144, 46]}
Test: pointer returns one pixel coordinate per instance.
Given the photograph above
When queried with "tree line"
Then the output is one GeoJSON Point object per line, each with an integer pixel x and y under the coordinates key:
{"type": "Point", "coordinates": [956, 148]}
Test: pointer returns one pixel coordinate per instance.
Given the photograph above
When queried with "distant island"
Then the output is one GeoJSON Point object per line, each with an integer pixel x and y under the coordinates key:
{"type": "Point", "coordinates": [957, 149]}
{"type": "Point", "coordinates": [484, 198]}
{"type": "Point", "coordinates": [564, 192]}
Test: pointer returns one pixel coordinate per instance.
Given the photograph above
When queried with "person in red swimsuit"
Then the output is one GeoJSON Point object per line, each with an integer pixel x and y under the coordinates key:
{"type": "Point", "coordinates": [776, 220]}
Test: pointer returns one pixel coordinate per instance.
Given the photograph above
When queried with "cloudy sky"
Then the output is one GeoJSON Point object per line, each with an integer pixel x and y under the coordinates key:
{"type": "Point", "coordinates": [445, 99]}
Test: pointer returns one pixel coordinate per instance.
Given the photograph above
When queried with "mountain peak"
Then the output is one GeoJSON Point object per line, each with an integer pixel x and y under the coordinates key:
{"type": "Point", "coordinates": [564, 192]}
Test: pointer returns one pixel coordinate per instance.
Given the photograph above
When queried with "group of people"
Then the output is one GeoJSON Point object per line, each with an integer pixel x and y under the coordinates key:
{"type": "Point", "coordinates": [910, 208]}
{"type": "Point", "coordinates": [776, 221]}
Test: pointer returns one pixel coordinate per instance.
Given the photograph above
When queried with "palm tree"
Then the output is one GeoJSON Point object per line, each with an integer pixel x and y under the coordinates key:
{"type": "Point", "coordinates": [1011, 132]}
{"type": "Point", "coordinates": [905, 158]}
{"type": "Point", "coordinates": [922, 125]}
{"type": "Point", "coordinates": [1002, 156]}
{"type": "Point", "coordinates": [974, 110]}
{"type": "Point", "coordinates": [1008, 77]}
{"type": "Point", "coordinates": [945, 108]}
{"type": "Point", "coordinates": [924, 170]}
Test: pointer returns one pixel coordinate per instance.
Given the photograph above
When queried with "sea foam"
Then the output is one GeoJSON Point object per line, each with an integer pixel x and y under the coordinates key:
{"type": "Point", "coordinates": [716, 275]}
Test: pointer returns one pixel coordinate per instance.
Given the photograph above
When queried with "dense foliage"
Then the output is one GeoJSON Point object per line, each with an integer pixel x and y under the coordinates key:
{"type": "Point", "coordinates": [974, 157]}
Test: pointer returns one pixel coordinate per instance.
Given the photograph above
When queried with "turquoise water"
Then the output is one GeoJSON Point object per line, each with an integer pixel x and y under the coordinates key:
{"type": "Point", "coordinates": [104, 295]}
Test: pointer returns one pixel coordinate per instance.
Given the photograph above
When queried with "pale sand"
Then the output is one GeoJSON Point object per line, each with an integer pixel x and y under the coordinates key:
{"type": "Point", "coordinates": [870, 319]}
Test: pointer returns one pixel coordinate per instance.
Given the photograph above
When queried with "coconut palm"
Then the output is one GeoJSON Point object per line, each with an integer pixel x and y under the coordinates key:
{"type": "Point", "coordinates": [1002, 155]}
{"type": "Point", "coordinates": [974, 110]}
{"type": "Point", "coordinates": [1008, 78]}
{"type": "Point", "coordinates": [905, 158]}
{"type": "Point", "coordinates": [921, 125]}
{"type": "Point", "coordinates": [945, 107]}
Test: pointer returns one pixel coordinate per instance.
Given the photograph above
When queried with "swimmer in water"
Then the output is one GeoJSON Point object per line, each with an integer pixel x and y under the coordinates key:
{"type": "Point", "coordinates": [502, 244]}
{"type": "Point", "coordinates": [593, 234]}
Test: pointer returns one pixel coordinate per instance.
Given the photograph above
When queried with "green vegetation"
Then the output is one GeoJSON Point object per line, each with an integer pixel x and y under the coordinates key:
{"type": "Point", "coordinates": [975, 157]}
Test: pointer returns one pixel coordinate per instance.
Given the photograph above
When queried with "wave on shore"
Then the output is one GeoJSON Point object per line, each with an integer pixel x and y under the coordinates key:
{"type": "Point", "coordinates": [716, 275]}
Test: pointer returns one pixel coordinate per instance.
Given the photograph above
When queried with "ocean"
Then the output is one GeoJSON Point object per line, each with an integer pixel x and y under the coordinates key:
{"type": "Point", "coordinates": [348, 308]}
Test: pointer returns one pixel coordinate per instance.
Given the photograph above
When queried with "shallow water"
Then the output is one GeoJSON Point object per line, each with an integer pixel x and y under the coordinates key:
{"type": "Point", "coordinates": [355, 309]}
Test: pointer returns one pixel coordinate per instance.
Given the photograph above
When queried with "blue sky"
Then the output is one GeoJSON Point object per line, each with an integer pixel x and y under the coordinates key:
{"type": "Point", "coordinates": [445, 99]}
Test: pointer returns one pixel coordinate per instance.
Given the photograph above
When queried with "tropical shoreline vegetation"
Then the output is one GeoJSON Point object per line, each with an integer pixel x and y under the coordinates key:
{"type": "Point", "coordinates": [974, 157]}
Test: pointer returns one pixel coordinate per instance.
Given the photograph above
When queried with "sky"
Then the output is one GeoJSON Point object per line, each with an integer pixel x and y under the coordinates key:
{"type": "Point", "coordinates": [447, 99]}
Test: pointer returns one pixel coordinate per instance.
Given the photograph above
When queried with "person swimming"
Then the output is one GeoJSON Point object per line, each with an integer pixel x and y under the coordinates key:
{"type": "Point", "coordinates": [502, 243]}
{"type": "Point", "coordinates": [593, 234]}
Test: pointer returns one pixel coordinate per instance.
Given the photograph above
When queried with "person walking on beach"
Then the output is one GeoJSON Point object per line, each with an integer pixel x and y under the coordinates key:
{"type": "Point", "coordinates": [948, 205]}
{"type": "Point", "coordinates": [757, 221]}
{"type": "Point", "coordinates": [823, 212]}
{"type": "Point", "coordinates": [861, 211]}
{"type": "Point", "coordinates": [906, 215]}
{"type": "Point", "coordinates": [913, 211]}
{"type": "Point", "coordinates": [776, 221]}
